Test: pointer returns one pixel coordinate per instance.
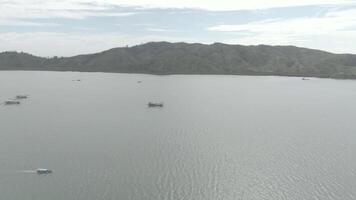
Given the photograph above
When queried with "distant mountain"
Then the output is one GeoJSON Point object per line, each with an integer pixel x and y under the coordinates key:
{"type": "Point", "coordinates": [183, 58]}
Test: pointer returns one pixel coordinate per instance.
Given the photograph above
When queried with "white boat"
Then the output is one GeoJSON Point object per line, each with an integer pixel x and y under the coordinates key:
{"type": "Point", "coordinates": [43, 171]}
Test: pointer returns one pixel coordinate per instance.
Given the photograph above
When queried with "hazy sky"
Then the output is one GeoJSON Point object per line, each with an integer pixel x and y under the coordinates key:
{"type": "Point", "coordinates": [70, 27]}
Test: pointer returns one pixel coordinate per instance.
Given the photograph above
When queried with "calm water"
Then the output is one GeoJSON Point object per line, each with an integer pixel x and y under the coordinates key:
{"type": "Point", "coordinates": [218, 137]}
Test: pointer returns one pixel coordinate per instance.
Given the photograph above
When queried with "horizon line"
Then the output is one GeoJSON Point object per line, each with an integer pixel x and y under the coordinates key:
{"type": "Point", "coordinates": [181, 42]}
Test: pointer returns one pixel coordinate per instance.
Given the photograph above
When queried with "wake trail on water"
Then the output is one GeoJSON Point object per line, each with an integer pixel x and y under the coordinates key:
{"type": "Point", "coordinates": [26, 171]}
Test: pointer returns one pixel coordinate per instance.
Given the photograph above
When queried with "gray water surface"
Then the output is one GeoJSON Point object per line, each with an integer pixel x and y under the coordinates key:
{"type": "Point", "coordinates": [217, 137]}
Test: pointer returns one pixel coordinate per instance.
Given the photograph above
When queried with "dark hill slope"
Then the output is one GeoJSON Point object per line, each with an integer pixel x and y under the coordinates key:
{"type": "Point", "coordinates": [183, 58]}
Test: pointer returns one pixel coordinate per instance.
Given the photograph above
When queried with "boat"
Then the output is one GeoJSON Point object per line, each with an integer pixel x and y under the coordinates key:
{"type": "Point", "coordinates": [43, 171]}
{"type": "Point", "coordinates": [11, 102]}
{"type": "Point", "coordinates": [21, 97]}
{"type": "Point", "coordinates": [305, 79]}
{"type": "Point", "coordinates": [150, 104]}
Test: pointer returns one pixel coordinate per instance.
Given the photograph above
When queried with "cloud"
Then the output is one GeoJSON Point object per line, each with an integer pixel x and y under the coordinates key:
{"type": "Point", "coordinates": [161, 30]}
{"type": "Point", "coordinates": [24, 23]}
{"type": "Point", "coordinates": [332, 28]}
{"type": "Point", "coordinates": [76, 9]}
{"type": "Point", "coordinates": [330, 31]}
{"type": "Point", "coordinates": [81, 9]}
{"type": "Point", "coordinates": [85, 8]}
{"type": "Point", "coordinates": [221, 5]}
{"type": "Point", "coordinates": [336, 21]}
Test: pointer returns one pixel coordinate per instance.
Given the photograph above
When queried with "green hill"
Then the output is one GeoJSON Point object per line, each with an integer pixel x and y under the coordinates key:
{"type": "Point", "coordinates": [183, 58]}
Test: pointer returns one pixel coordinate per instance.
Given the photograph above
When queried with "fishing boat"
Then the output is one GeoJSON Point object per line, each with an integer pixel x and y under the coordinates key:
{"type": "Point", "coordinates": [43, 171]}
{"type": "Point", "coordinates": [150, 104]}
{"type": "Point", "coordinates": [11, 102]}
{"type": "Point", "coordinates": [21, 97]}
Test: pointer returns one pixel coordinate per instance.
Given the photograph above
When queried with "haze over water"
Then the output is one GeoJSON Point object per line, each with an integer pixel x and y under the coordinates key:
{"type": "Point", "coordinates": [217, 137]}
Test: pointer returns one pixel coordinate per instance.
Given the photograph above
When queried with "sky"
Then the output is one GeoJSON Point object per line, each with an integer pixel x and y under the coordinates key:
{"type": "Point", "coordinates": [71, 27]}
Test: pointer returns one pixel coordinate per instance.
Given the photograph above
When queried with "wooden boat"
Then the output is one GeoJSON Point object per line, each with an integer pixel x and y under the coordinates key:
{"type": "Point", "coordinates": [43, 171]}
{"type": "Point", "coordinates": [11, 102]}
{"type": "Point", "coordinates": [150, 104]}
{"type": "Point", "coordinates": [21, 97]}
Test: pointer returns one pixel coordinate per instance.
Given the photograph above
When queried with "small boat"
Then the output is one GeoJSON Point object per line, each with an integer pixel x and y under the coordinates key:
{"type": "Point", "coordinates": [305, 79]}
{"type": "Point", "coordinates": [43, 171]}
{"type": "Point", "coordinates": [11, 102]}
{"type": "Point", "coordinates": [21, 97]}
{"type": "Point", "coordinates": [150, 104]}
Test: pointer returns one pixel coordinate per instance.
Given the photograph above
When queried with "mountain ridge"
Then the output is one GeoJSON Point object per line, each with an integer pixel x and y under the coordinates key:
{"type": "Point", "coordinates": [195, 58]}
